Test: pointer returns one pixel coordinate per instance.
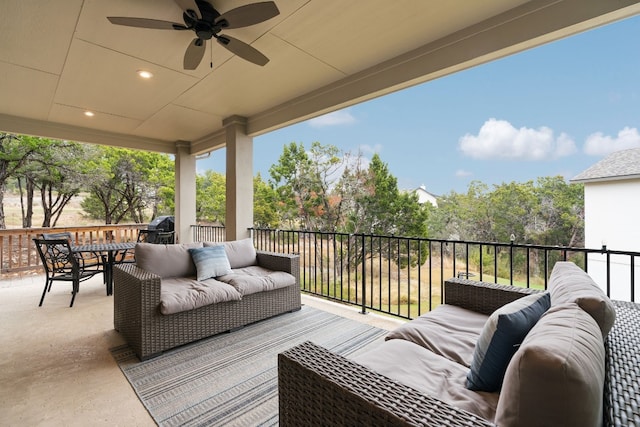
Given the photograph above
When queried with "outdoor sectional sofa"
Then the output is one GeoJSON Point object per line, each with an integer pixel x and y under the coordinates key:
{"type": "Point", "coordinates": [577, 365]}
{"type": "Point", "coordinates": [179, 293]}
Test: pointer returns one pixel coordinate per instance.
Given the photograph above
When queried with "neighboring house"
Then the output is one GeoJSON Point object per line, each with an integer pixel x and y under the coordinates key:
{"type": "Point", "coordinates": [424, 196]}
{"type": "Point", "coordinates": [612, 217]}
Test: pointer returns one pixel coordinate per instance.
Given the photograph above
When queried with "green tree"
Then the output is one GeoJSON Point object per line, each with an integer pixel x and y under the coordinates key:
{"type": "Point", "coordinates": [55, 169]}
{"type": "Point", "coordinates": [127, 183]}
{"type": "Point", "coordinates": [14, 152]}
{"type": "Point", "coordinates": [378, 207]}
{"type": "Point", "coordinates": [560, 212]}
{"type": "Point", "coordinates": [463, 216]}
{"type": "Point", "coordinates": [211, 197]}
{"type": "Point", "coordinates": [512, 208]}
{"type": "Point", "coordinates": [265, 212]}
{"type": "Point", "coordinates": [303, 181]}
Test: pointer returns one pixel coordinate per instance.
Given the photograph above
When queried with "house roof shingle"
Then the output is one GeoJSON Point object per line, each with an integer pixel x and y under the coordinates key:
{"type": "Point", "coordinates": [620, 165]}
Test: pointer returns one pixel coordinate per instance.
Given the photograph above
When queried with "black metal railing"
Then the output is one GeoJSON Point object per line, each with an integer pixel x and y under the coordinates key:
{"type": "Point", "coordinates": [404, 276]}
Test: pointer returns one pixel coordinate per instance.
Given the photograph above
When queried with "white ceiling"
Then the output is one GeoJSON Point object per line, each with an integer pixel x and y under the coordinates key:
{"type": "Point", "coordinates": [61, 57]}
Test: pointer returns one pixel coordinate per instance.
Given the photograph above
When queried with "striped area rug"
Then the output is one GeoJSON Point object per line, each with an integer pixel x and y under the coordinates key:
{"type": "Point", "coordinates": [231, 379]}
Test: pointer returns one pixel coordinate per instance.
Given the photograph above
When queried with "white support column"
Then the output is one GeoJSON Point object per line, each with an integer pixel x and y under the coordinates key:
{"type": "Point", "coordinates": [185, 197]}
{"type": "Point", "coordinates": [239, 209]}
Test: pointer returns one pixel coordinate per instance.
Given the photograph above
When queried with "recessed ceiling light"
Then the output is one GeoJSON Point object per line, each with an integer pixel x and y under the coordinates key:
{"type": "Point", "coordinates": [89, 113]}
{"type": "Point", "coordinates": [145, 74]}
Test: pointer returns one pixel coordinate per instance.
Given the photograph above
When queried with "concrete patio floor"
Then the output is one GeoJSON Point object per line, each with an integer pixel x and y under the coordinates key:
{"type": "Point", "coordinates": [55, 364]}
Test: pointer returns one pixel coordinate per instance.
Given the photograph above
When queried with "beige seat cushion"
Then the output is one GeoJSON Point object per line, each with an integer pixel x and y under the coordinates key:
{"type": "Point", "coordinates": [182, 294]}
{"type": "Point", "coordinates": [166, 260]}
{"type": "Point", "coordinates": [254, 279]}
{"type": "Point", "coordinates": [448, 330]}
{"type": "Point", "coordinates": [419, 368]}
{"type": "Point", "coordinates": [569, 283]}
{"type": "Point", "coordinates": [556, 378]}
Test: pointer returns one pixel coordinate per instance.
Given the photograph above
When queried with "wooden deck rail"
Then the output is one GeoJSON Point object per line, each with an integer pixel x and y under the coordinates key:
{"type": "Point", "coordinates": [18, 253]}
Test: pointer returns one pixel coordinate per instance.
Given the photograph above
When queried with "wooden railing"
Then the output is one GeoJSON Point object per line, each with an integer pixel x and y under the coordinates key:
{"type": "Point", "coordinates": [18, 253]}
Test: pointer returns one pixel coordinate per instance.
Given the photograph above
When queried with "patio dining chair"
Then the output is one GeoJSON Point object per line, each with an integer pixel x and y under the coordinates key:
{"type": "Point", "coordinates": [62, 264]}
{"type": "Point", "coordinates": [89, 260]}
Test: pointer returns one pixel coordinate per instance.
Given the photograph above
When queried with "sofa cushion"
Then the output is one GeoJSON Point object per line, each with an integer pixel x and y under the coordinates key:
{"type": "Point", "coordinates": [421, 369]}
{"type": "Point", "coordinates": [210, 262]}
{"type": "Point", "coordinates": [569, 283]}
{"type": "Point", "coordinates": [556, 377]}
{"type": "Point", "coordinates": [448, 330]}
{"type": "Point", "coordinates": [179, 294]}
{"type": "Point", "coordinates": [254, 279]}
{"type": "Point", "coordinates": [502, 334]}
{"type": "Point", "coordinates": [241, 253]}
{"type": "Point", "coordinates": [166, 260]}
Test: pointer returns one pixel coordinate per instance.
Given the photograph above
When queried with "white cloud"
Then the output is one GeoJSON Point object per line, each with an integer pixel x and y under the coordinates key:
{"type": "Point", "coordinates": [461, 173]}
{"type": "Point", "coordinates": [498, 139]}
{"type": "Point", "coordinates": [367, 149]}
{"type": "Point", "coordinates": [337, 118]}
{"type": "Point", "coordinates": [598, 144]}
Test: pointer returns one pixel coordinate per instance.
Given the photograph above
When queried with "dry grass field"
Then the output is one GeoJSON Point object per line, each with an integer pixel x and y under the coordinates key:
{"type": "Point", "coordinates": [72, 214]}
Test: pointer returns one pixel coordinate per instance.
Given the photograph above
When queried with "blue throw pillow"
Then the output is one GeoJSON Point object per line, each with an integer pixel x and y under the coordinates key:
{"type": "Point", "coordinates": [211, 261]}
{"type": "Point", "coordinates": [502, 334]}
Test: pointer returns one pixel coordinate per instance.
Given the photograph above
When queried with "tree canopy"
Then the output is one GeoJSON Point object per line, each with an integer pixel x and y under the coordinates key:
{"type": "Point", "coordinates": [319, 189]}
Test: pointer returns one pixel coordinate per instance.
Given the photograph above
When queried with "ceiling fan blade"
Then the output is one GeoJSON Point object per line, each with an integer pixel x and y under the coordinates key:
{"type": "Point", "coordinates": [243, 50]}
{"type": "Point", "coordinates": [249, 14]}
{"type": "Point", "coordinates": [189, 5]}
{"type": "Point", "coordinates": [145, 23]}
{"type": "Point", "coordinates": [193, 55]}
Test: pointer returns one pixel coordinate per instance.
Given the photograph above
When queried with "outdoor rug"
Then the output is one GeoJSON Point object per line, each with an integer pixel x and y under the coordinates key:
{"type": "Point", "coordinates": [232, 378]}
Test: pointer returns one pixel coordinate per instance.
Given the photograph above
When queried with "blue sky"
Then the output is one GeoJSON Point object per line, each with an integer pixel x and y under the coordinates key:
{"type": "Point", "coordinates": [553, 110]}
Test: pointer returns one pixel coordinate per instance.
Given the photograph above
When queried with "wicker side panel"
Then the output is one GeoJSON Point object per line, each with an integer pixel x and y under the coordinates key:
{"type": "Point", "coordinates": [622, 367]}
{"type": "Point", "coordinates": [319, 388]}
{"type": "Point", "coordinates": [280, 262]}
{"type": "Point", "coordinates": [482, 297]}
{"type": "Point", "coordinates": [135, 291]}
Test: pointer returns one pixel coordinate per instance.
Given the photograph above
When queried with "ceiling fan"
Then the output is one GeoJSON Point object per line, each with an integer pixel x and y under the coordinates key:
{"type": "Point", "coordinates": [200, 17]}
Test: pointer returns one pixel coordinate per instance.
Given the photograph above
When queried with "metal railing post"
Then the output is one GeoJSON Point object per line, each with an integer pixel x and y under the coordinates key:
{"type": "Point", "coordinates": [364, 275]}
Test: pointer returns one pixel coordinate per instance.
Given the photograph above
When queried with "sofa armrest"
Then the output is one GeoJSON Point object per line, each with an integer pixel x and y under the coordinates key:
{"type": "Point", "coordinates": [482, 297]}
{"type": "Point", "coordinates": [276, 261]}
{"type": "Point", "coordinates": [622, 367]}
{"type": "Point", "coordinates": [136, 297]}
{"type": "Point", "coordinates": [318, 387]}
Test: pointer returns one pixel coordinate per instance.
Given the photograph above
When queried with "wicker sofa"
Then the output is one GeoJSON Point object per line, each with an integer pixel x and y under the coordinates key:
{"type": "Point", "coordinates": [160, 302]}
{"type": "Point", "coordinates": [318, 387]}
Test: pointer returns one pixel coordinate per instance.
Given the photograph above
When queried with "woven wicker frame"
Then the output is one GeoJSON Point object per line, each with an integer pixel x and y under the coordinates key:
{"type": "Point", "coordinates": [317, 387]}
{"type": "Point", "coordinates": [138, 319]}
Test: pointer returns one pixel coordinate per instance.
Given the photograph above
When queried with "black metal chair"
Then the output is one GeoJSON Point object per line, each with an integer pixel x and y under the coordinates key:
{"type": "Point", "coordinates": [89, 260]}
{"type": "Point", "coordinates": [62, 264]}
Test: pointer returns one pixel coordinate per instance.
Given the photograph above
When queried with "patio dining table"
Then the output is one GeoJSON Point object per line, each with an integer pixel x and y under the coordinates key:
{"type": "Point", "coordinates": [111, 249]}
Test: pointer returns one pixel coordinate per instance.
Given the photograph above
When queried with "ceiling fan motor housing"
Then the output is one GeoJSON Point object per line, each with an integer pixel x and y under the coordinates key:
{"type": "Point", "coordinates": [205, 28]}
